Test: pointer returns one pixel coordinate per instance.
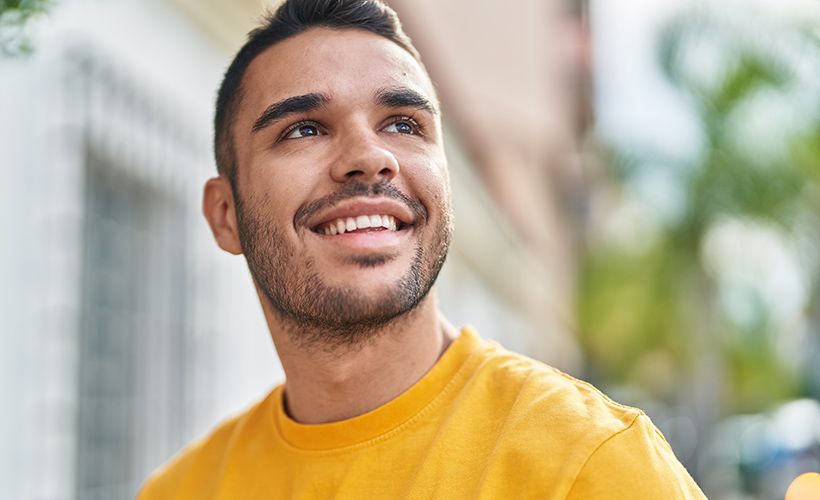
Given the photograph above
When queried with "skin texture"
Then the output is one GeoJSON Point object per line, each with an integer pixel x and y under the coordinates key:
{"type": "Point", "coordinates": [351, 317]}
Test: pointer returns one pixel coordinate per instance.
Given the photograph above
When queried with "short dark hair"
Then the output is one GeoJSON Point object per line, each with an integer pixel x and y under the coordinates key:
{"type": "Point", "coordinates": [292, 18]}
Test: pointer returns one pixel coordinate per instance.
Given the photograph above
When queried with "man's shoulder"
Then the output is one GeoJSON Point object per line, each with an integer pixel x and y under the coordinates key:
{"type": "Point", "coordinates": [601, 443]}
{"type": "Point", "coordinates": [547, 391]}
{"type": "Point", "coordinates": [199, 460]}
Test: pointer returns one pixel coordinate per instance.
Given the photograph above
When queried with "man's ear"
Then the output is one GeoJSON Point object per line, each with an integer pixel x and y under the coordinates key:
{"type": "Point", "coordinates": [220, 211]}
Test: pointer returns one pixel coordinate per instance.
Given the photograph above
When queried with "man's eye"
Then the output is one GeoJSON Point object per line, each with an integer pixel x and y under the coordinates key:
{"type": "Point", "coordinates": [301, 130]}
{"type": "Point", "coordinates": [403, 125]}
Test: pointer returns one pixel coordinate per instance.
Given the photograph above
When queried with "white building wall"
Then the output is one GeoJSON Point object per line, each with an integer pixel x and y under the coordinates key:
{"type": "Point", "coordinates": [126, 91]}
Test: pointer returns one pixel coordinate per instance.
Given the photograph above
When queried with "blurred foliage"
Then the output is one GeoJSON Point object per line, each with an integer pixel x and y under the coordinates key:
{"type": "Point", "coordinates": [14, 14]}
{"type": "Point", "coordinates": [650, 309]}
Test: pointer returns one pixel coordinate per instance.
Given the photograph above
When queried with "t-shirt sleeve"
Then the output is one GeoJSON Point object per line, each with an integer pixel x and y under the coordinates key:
{"type": "Point", "coordinates": [634, 463]}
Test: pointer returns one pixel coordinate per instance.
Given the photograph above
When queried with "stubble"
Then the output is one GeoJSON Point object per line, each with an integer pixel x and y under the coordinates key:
{"type": "Point", "coordinates": [316, 314]}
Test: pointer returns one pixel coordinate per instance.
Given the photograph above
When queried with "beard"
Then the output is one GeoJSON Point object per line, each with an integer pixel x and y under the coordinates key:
{"type": "Point", "coordinates": [315, 313]}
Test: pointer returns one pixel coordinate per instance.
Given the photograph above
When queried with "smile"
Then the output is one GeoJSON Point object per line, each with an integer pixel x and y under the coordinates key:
{"type": "Point", "coordinates": [360, 223]}
{"type": "Point", "coordinates": [365, 221]}
{"type": "Point", "coordinates": [366, 226]}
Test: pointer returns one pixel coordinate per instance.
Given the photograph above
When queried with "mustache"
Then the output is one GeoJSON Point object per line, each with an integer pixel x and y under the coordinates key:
{"type": "Point", "coordinates": [357, 189]}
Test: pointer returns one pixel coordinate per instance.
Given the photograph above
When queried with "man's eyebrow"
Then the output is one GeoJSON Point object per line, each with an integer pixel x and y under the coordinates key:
{"type": "Point", "coordinates": [398, 97]}
{"type": "Point", "coordinates": [289, 106]}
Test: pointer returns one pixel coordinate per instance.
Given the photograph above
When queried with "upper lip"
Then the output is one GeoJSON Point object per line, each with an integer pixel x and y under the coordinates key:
{"type": "Point", "coordinates": [363, 206]}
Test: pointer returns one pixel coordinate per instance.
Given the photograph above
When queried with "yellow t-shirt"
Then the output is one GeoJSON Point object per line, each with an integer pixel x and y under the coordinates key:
{"type": "Point", "coordinates": [482, 423]}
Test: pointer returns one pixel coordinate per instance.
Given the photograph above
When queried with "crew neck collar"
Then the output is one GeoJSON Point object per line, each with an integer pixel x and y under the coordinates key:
{"type": "Point", "coordinates": [444, 376]}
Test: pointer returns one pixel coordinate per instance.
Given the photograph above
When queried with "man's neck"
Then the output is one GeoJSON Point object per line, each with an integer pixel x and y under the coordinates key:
{"type": "Point", "coordinates": [331, 385]}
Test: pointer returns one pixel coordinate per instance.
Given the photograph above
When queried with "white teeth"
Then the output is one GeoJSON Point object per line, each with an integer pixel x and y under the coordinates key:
{"type": "Point", "coordinates": [362, 221]}
{"type": "Point", "coordinates": [348, 224]}
{"type": "Point", "coordinates": [389, 222]}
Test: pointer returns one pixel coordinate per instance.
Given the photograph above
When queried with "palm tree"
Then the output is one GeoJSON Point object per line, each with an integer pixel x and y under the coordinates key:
{"type": "Point", "coordinates": [657, 314]}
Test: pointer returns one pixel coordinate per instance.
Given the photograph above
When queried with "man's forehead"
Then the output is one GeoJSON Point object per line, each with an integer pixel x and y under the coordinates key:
{"type": "Point", "coordinates": [339, 63]}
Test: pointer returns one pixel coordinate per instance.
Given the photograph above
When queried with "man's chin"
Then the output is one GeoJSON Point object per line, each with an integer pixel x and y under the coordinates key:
{"type": "Point", "coordinates": [352, 305]}
{"type": "Point", "coordinates": [371, 261]}
{"type": "Point", "coordinates": [345, 322]}
{"type": "Point", "coordinates": [365, 272]}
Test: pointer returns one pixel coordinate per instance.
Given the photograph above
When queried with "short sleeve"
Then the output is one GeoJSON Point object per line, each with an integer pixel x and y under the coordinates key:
{"type": "Point", "coordinates": [635, 463]}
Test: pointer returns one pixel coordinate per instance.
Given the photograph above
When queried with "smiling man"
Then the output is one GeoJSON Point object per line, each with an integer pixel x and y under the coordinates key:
{"type": "Point", "coordinates": [333, 183]}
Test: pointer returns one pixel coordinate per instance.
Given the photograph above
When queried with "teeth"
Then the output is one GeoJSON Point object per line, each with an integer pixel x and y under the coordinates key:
{"type": "Point", "coordinates": [348, 224]}
{"type": "Point", "coordinates": [389, 222]}
{"type": "Point", "coordinates": [362, 221]}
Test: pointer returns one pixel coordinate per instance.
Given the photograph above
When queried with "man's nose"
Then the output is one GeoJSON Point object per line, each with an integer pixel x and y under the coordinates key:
{"type": "Point", "coordinates": [365, 158]}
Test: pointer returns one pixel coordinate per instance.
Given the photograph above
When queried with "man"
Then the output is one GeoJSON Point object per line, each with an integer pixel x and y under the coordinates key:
{"type": "Point", "coordinates": [333, 183]}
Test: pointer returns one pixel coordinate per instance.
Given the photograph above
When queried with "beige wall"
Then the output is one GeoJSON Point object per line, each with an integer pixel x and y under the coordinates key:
{"type": "Point", "coordinates": [505, 74]}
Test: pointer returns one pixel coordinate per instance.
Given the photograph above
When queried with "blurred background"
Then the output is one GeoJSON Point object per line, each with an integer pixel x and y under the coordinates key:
{"type": "Point", "coordinates": [637, 193]}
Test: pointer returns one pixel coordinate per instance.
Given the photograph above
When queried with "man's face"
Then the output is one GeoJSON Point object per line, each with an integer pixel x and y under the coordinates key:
{"type": "Point", "coordinates": [343, 204]}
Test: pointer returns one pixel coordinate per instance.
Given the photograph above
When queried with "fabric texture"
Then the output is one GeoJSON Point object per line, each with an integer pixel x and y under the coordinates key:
{"type": "Point", "coordinates": [482, 423]}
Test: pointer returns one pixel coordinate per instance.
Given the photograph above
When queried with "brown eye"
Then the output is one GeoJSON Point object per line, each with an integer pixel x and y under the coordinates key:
{"type": "Point", "coordinates": [301, 130]}
{"type": "Point", "coordinates": [402, 126]}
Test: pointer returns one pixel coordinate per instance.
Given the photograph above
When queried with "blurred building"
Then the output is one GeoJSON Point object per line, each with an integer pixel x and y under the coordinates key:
{"type": "Point", "coordinates": [126, 332]}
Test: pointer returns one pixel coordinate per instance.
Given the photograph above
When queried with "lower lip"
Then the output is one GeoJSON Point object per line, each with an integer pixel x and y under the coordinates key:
{"type": "Point", "coordinates": [368, 240]}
